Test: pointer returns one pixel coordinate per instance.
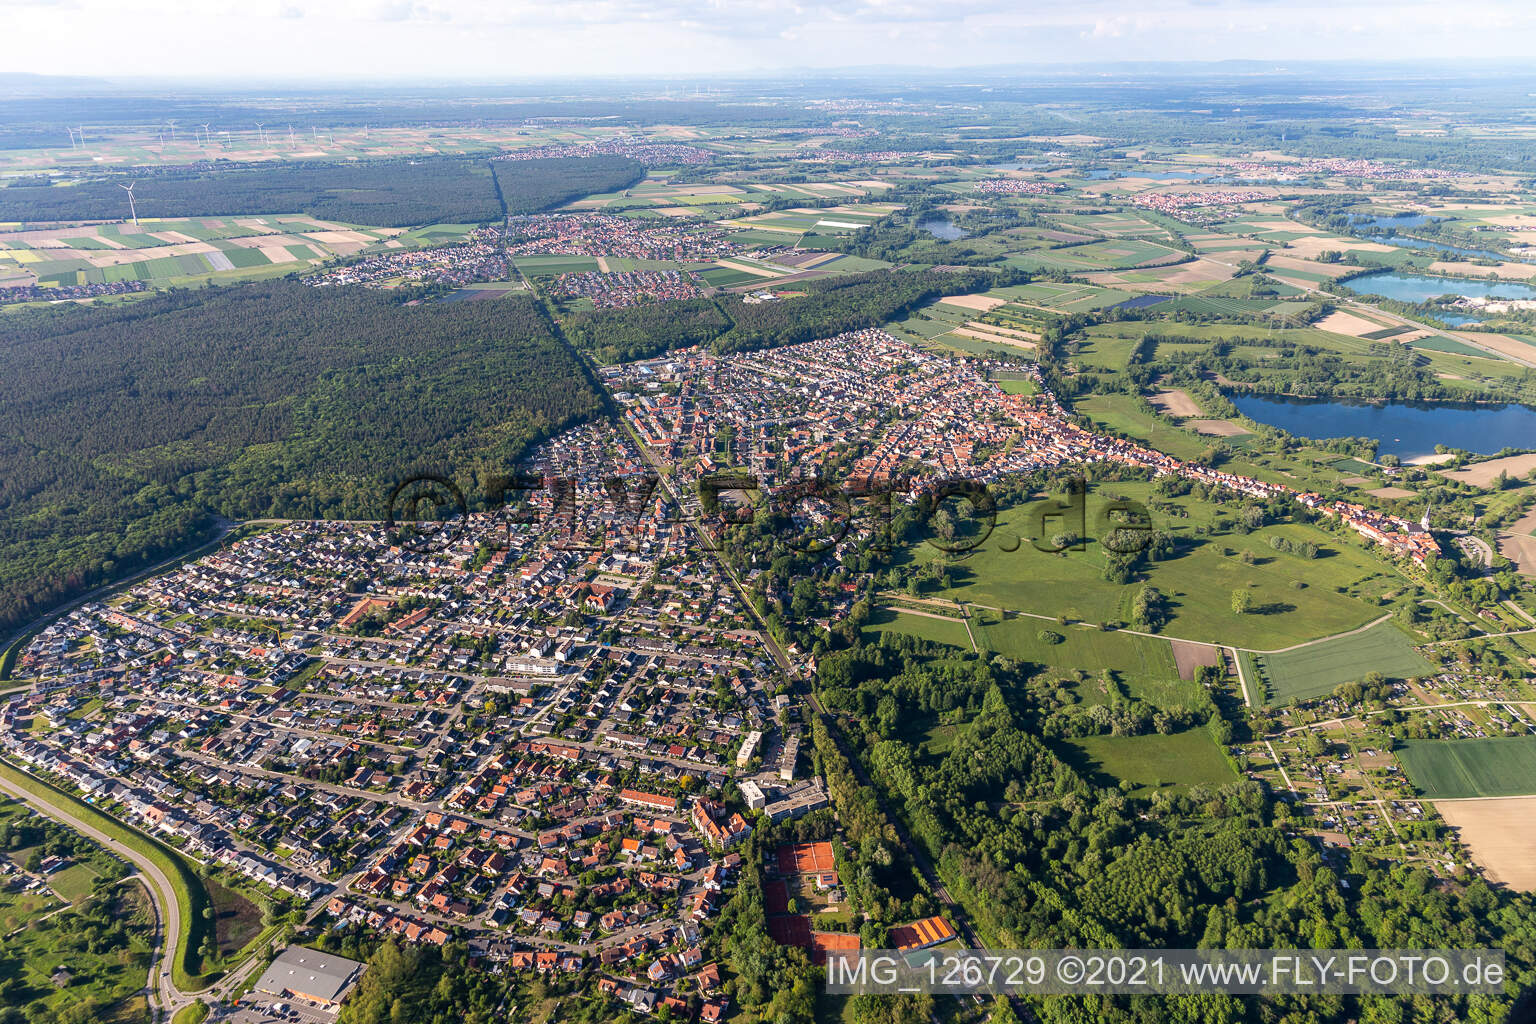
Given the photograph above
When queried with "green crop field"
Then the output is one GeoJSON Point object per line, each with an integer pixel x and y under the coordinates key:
{"type": "Point", "coordinates": [728, 277]}
{"type": "Point", "coordinates": [540, 265]}
{"type": "Point", "coordinates": [1448, 769]}
{"type": "Point", "coordinates": [1315, 670]}
{"type": "Point", "coordinates": [1154, 761]}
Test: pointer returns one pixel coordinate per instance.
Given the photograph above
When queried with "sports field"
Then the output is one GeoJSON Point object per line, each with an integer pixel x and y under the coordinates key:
{"type": "Point", "coordinates": [1316, 669]}
{"type": "Point", "coordinates": [1449, 769]}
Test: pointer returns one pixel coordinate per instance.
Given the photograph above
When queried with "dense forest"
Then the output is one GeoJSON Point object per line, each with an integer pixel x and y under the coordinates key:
{"type": "Point", "coordinates": [125, 427]}
{"type": "Point", "coordinates": [386, 193]}
{"type": "Point", "coordinates": [528, 186]}
{"type": "Point", "coordinates": [730, 324]}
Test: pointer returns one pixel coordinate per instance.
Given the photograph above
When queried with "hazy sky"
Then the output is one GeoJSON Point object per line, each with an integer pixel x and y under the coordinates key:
{"type": "Point", "coordinates": [380, 39]}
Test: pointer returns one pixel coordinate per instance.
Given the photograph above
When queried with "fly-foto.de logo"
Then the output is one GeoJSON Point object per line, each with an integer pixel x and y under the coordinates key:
{"type": "Point", "coordinates": [429, 512]}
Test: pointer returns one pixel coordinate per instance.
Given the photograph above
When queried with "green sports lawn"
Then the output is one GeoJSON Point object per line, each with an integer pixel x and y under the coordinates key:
{"type": "Point", "coordinates": [1316, 669]}
{"type": "Point", "coordinates": [1451, 769]}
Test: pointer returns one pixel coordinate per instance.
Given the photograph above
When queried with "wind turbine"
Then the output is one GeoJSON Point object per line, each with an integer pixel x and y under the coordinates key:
{"type": "Point", "coordinates": [172, 123]}
{"type": "Point", "coordinates": [131, 209]}
{"type": "Point", "coordinates": [292, 143]}
{"type": "Point", "coordinates": [71, 136]}
{"type": "Point", "coordinates": [82, 136]}
{"type": "Point", "coordinates": [207, 138]}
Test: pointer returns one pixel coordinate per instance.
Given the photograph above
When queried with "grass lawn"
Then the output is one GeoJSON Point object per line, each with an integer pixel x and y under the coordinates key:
{"type": "Point", "coordinates": [1500, 766]}
{"type": "Point", "coordinates": [109, 974]}
{"type": "Point", "coordinates": [1139, 660]}
{"type": "Point", "coordinates": [942, 631]}
{"type": "Point", "coordinates": [1181, 760]}
{"type": "Point", "coordinates": [1023, 386]}
{"type": "Point", "coordinates": [1316, 670]}
{"type": "Point", "coordinates": [73, 882]}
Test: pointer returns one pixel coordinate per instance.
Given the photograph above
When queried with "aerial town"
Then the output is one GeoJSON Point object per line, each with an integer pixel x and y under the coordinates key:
{"type": "Point", "coordinates": [546, 732]}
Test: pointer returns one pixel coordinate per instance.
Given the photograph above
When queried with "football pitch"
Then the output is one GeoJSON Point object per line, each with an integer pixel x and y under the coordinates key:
{"type": "Point", "coordinates": [1450, 769]}
{"type": "Point", "coordinates": [1316, 669]}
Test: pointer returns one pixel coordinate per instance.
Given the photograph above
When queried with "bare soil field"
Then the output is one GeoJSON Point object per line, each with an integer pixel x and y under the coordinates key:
{"type": "Point", "coordinates": [1391, 492]}
{"type": "Point", "coordinates": [1520, 271]}
{"type": "Point", "coordinates": [1007, 332]}
{"type": "Point", "coordinates": [981, 303]}
{"type": "Point", "coordinates": [1190, 656]}
{"type": "Point", "coordinates": [1482, 474]}
{"type": "Point", "coordinates": [748, 268]}
{"type": "Point", "coordinates": [996, 339]}
{"type": "Point", "coordinates": [1218, 428]}
{"type": "Point", "coordinates": [1499, 343]}
{"type": "Point", "coordinates": [1282, 263]}
{"type": "Point", "coordinates": [1340, 322]}
{"type": "Point", "coordinates": [1313, 245]}
{"type": "Point", "coordinates": [1521, 550]}
{"type": "Point", "coordinates": [1500, 833]}
{"type": "Point", "coordinates": [1175, 403]}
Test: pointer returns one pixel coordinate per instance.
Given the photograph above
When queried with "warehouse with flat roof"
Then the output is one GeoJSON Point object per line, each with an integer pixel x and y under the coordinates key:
{"type": "Point", "coordinates": [315, 977]}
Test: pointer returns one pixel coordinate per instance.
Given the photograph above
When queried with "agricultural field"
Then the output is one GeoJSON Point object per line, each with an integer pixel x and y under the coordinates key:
{"type": "Point", "coordinates": [1317, 669]}
{"type": "Point", "coordinates": [1465, 768]}
{"type": "Point", "coordinates": [182, 252]}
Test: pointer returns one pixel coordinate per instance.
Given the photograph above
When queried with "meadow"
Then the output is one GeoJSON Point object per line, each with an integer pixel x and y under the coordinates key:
{"type": "Point", "coordinates": [927, 627]}
{"type": "Point", "coordinates": [1339, 589]}
{"type": "Point", "coordinates": [1177, 761]}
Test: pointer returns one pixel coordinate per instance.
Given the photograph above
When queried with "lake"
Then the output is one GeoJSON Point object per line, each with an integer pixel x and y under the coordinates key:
{"type": "Point", "coordinates": [1405, 429]}
{"type": "Point", "coordinates": [1387, 220]}
{"type": "Point", "coordinates": [942, 227]}
{"type": "Point", "coordinates": [1426, 287]}
{"type": "Point", "coordinates": [1405, 242]}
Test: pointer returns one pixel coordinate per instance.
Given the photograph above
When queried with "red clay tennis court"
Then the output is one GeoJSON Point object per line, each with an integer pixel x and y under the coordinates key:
{"type": "Point", "coordinates": [805, 858]}
{"type": "Point", "coordinates": [823, 943]}
{"type": "Point", "coordinates": [791, 930]}
{"type": "Point", "coordinates": [775, 897]}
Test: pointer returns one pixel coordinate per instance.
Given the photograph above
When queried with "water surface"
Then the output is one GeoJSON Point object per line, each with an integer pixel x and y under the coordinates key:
{"type": "Point", "coordinates": [942, 227]}
{"type": "Point", "coordinates": [1404, 429]}
{"type": "Point", "coordinates": [1427, 287]}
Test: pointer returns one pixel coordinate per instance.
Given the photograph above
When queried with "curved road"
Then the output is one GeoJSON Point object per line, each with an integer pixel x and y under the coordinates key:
{"type": "Point", "coordinates": [168, 912]}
